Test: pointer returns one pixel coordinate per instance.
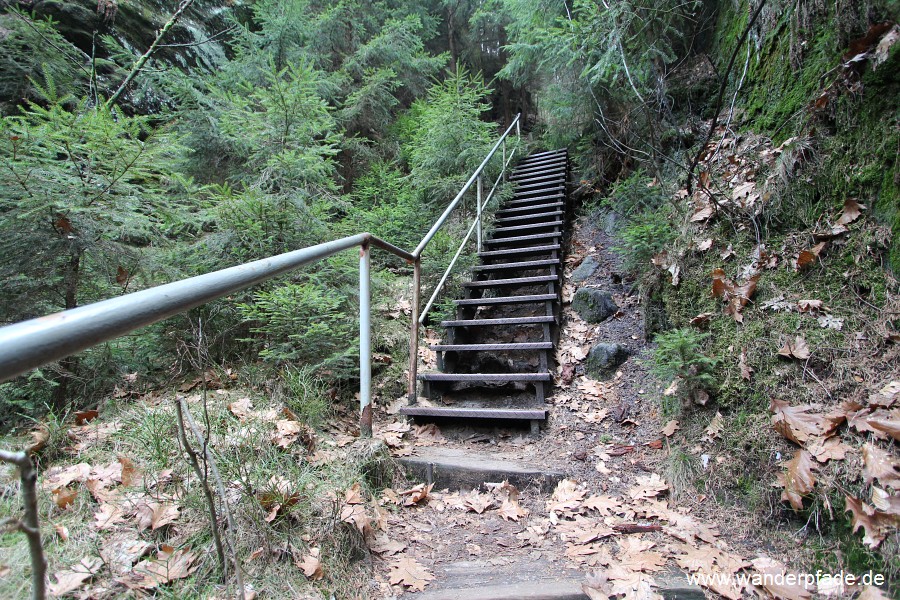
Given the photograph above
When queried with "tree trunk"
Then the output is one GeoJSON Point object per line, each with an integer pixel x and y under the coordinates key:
{"type": "Point", "coordinates": [68, 365]}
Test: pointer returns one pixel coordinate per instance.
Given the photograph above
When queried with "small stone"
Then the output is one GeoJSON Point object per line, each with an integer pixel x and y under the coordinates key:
{"type": "Point", "coordinates": [585, 269]}
{"type": "Point", "coordinates": [594, 306]}
{"type": "Point", "coordinates": [603, 360]}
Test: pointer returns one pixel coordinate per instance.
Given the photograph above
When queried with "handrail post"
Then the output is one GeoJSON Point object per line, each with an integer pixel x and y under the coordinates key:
{"type": "Point", "coordinates": [503, 165]}
{"type": "Point", "coordinates": [479, 187]}
{"type": "Point", "coordinates": [365, 342]}
{"type": "Point", "coordinates": [414, 332]}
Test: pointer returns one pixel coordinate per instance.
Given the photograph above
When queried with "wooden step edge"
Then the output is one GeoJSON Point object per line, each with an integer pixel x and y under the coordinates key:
{"type": "Point", "coordinates": [473, 413]}
{"type": "Point", "coordinates": [527, 208]}
{"type": "Point", "coordinates": [484, 377]}
{"type": "Point", "coordinates": [539, 320]}
{"type": "Point", "coordinates": [523, 238]}
{"type": "Point", "coordinates": [528, 299]}
{"type": "Point", "coordinates": [529, 226]}
{"type": "Point", "coordinates": [546, 215]}
{"type": "Point", "coordinates": [486, 347]}
{"type": "Point", "coordinates": [524, 265]}
{"type": "Point", "coordinates": [523, 281]}
{"type": "Point", "coordinates": [524, 250]}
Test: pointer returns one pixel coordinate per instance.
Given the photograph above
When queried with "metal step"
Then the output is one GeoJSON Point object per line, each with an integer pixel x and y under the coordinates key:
{"type": "Point", "coordinates": [524, 265]}
{"type": "Point", "coordinates": [478, 377]}
{"type": "Point", "coordinates": [541, 161]}
{"type": "Point", "coordinates": [485, 347]}
{"type": "Point", "coordinates": [560, 151]}
{"type": "Point", "coordinates": [523, 201]}
{"type": "Point", "coordinates": [497, 322]}
{"type": "Point", "coordinates": [525, 209]}
{"type": "Point", "coordinates": [516, 281]}
{"type": "Point", "coordinates": [529, 299]}
{"type": "Point", "coordinates": [539, 172]}
{"type": "Point", "coordinates": [474, 413]}
{"type": "Point", "coordinates": [538, 177]}
{"type": "Point", "coordinates": [520, 251]}
{"type": "Point", "coordinates": [530, 187]}
{"type": "Point", "coordinates": [542, 225]}
{"type": "Point", "coordinates": [536, 169]}
{"type": "Point", "coordinates": [523, 238]}
{"type": "Point", "coordinates": [548, 215]}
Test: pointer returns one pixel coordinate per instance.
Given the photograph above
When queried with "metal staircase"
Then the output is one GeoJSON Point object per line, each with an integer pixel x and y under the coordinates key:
{"type": "Point", "coordinates": [495, 360]}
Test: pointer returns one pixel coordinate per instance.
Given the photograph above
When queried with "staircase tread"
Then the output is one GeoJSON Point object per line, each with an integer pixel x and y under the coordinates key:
{"type": "Point", "coordinates": [539, 172]}
{"type": "Point", "coordinates": [474, 413]}
{"type": "Point", "coordinates": [552, 183]}
{"type": "Point", "coordinates": [502, 321]}
{"type": "Point", "coordinates": [520, 201]}
{"type": "Point", "coordinates": [526, 208]}
{"type": "Point", "coordinates": [511, 281]}
{"type": "Point", "coordinates": [484, 347]}
{"type": "Point", "coordinates": [526, 264]}
{"type": "Point", "coordinates": [436, 376]}
{"type": "Point", "coordinates": [506, 300]}
{"type": "Point", "coordinates": [524, 250]}
{"type": "Point", "coordinates": [551, 214]}
{"type": "Point", "coordinates": [523, 238]}
{"type": "Point", "coordinates": [530, 226]}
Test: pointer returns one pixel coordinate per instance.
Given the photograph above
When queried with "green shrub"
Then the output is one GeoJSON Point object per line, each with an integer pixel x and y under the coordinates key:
{"type": "Point", "coordinates": [678, 356]}
{"type": "Point", "coordinates": [644, 236]}
{"type": "Point", "coordinates": [299, 322]}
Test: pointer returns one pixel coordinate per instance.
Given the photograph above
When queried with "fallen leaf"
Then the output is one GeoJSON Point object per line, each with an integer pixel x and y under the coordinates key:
{"type": "Point", "coordinates": [410, 573]}
{"type": "Point", "coordinates": [511, 511]}
{"type": "Point", "coordinates": [605, 505]}
{"type": "Point", "coordinates": [705, 245]}
{"type": "Point", "coordinates": [86, 416]}
{"type": "Point", "coordinates": [62, 532]}
{"type": "Point", "coordinates": [891, 426]}
{"type": "Point", "coordinates": [353, 495]}
{"type": "Point", "coordinates": [873, 593]}
{"type": "Point", "coordinates": [701, 320]}
{"type": "Point", "coordinates": [714, 429]}
{"type": "Point", "coordinates": [796, 423]}
{"type": "Point", "coordinates": [830, 448]}
{"type": "Point", "coordinates": [875, 524]}
{"type": "Point", "coordinates": [154, 514]}
{"type": "Point", "coordinates": [852, 211]}
{"type": "Point", "coordinates": [241, 408]}
{"type": "Point", "coordinates": [382, 544]}
{"type": "Point", "coordinates": [129, 472]}
{"type": "Point", "coordinates": [746, 370]}
{"type": "Point", "coordinates": [776, 585]}
{"type": "Point", "coordinates": [311, 565]}
{"type": "Point", "coordinates": [121, 551]}
{"type": "Point", "coordinates": [73, 578]}
{"type": "Point", "coordinates": [796, 349]}
{"type": "Point", "coordinates": [797, 479]}
{"type": "Point", "coordinates": [355, 514]}
{"type": "Point", "coordinates": [887, 396]}
{"type": "Point", "coordinates": [885, 501]}
{"type": "Point", "coordinates": [566, 498]}
{"type": "Point", "coordinates": [108, 516]}
{"type": "Point", "coordinates": [807, 257]}
{"type": "Point", "coordinates": [478, 502]}
{"type": "Point", "coordinates": [670, 428]}
{"type": "Point", "coordinates": [881, 465]}
{"type": "Point", "coordinates": [648, 486]}
{"type": "Point", "coordinates": [735, 296]}
{"type": "Point", "coordinates": [168, 566]}
{"type": "Point", "coordinates": [64, 497]}
{"type": "Point", "coordinates": [416, 494]}
{"type": "Point", "coordinates": [40, 435]}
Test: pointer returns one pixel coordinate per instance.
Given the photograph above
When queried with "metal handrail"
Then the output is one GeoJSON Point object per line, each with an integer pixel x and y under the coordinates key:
{"type": "Point", "coordinates": [31, 344]}
{"type": "Point", "coordinates": [37, 342]}
{"type": "Point", "coordinates": [417, 265]}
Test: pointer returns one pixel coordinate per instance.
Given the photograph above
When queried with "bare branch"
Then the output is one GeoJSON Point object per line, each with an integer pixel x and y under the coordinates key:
{"type": "Point", "coordinates": [30, 526]}
{"type": "Point", "coordinates": [712, 126]}
{"type": "Point", "coordinates": [140, 62]}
